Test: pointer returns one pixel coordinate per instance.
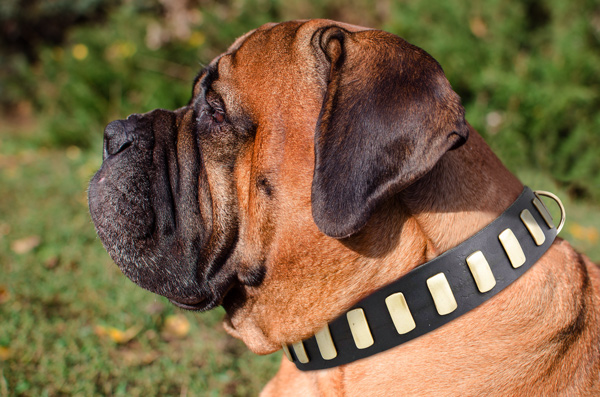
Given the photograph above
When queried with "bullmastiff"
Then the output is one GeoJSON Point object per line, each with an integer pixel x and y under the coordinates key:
{"type": "Point", "coordinates": [316, 165]}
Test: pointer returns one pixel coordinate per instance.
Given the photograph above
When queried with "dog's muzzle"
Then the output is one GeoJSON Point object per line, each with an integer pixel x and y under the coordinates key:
{"type": "Point", "coordinates": [147, 213]}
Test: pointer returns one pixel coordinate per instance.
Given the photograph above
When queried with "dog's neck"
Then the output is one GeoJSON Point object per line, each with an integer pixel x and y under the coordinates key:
{"type": "Point", "coordinates": [450, 204]}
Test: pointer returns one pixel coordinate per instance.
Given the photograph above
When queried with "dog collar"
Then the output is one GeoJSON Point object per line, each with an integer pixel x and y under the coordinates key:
{"type": "Point", "coordinates": [438, 291]}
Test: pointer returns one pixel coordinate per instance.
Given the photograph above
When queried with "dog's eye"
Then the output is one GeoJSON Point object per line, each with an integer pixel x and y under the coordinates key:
{"type": "Point", "coordinates": [218, 116]}
{"type": "Point", "coordinates": [212, 115]}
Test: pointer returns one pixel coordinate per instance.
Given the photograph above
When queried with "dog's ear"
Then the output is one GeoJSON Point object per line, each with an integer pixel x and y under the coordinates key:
{"type": "Point", "coordinates": [388, 116]}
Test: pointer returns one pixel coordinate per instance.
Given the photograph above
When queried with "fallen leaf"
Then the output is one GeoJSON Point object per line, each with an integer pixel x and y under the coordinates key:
{"type": "Point", "coordinates": [25, 245]}
{"type": "Point", "coordinates": [4, 294]}
{"type": "Point", "coordinates": [5, 353]}
{"type": "Point", "coordinates": [116, 334]}
{"type": "Point", "coordinates": [176, 327]}
{"type": "Point", "coordinates": [478, 27]}
{"type": "Point", "coordinates": [136, 357]}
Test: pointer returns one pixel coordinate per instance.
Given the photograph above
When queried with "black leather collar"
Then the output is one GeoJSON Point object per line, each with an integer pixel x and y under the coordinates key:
{"type": "Point", "coordinates": [436, 292]}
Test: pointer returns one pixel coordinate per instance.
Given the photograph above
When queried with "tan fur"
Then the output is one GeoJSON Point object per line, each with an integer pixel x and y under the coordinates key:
{"type": "Point", "coordinates": [537, 337]}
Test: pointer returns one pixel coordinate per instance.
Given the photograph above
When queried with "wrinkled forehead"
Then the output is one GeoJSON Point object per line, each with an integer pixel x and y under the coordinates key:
{"type": "Point", "coordinates": [264, 54]}
{"type": "Point", "coordinates": [281, 40]}
{"type": "Point", "coordinates": [249, 50]}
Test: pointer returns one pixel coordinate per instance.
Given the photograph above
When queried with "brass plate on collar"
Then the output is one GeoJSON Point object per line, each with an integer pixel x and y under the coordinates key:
{"type": "Point", "coordinates": [325, 343]}
{"type": "Point", "coordinates": [481, 271]}
{"type": "Point", "coordinates": [400, 313]}
{"type": "Point", "coordinates": [539, 205]}
{"type": "Point", "coordinates": [286, 351]}
{"type": "Point", "coordinates": [359, 328]}
{"type": "Point", "coordinates": [512, 248]}
{"type": "Point", "coordinates": [300, 352]}
{"type": "Point", "coordinates": [442, 295]}
{"type": "Point", "coordinates": [532, 226]}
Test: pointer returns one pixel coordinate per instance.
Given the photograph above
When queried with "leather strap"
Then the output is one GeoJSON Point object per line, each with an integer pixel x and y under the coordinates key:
{"type": "Point", "coordinates": [425, 294]}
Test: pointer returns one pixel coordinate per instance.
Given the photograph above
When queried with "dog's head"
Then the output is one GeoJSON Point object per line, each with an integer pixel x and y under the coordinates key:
{"type": "Point", "coordinates": [290, 143]}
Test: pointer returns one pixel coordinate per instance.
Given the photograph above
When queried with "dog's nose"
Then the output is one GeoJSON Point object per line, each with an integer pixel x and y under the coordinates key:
{"type": "Point", "coordinates": [117, 138]}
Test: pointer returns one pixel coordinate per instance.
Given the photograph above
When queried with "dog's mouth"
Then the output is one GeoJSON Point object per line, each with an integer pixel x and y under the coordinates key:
{"type": "Point", "coordinates": [200, 305]}
{"type": "Point", "coordinates": [196, 306]}
{"type": "Point", "coordinates": [154, 223]}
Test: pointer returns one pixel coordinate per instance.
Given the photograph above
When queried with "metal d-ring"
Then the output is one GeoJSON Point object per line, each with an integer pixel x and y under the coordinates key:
{"type": "Point", "coordinates": [563, 213]}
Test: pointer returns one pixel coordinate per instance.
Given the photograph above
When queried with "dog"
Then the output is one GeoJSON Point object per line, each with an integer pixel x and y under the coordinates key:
{"type": "Point", "coordinates": [316, 163]}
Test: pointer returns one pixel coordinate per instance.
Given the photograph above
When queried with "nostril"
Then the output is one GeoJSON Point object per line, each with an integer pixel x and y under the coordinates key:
{"type": "Point", "coordinates": [116, 138]}
{"type": "Point", "coordinates": [122, 147]}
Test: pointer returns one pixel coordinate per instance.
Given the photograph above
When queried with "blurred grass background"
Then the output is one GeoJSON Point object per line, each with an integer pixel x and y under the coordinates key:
{"type": "Point", "coordinates": [70, 324]}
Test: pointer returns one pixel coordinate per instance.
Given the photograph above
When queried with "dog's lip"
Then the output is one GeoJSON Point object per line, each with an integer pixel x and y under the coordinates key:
{"type": "Point", "coordinates": [194, 305]}
{"type": "Point", "coordinates": [199, 304]}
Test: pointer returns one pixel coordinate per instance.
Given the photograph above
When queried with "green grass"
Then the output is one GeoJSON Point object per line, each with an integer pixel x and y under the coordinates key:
{"type": "Point", "coordinates": [58, 295]}
{"type": "Point", "coordinates": [56, 298]}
